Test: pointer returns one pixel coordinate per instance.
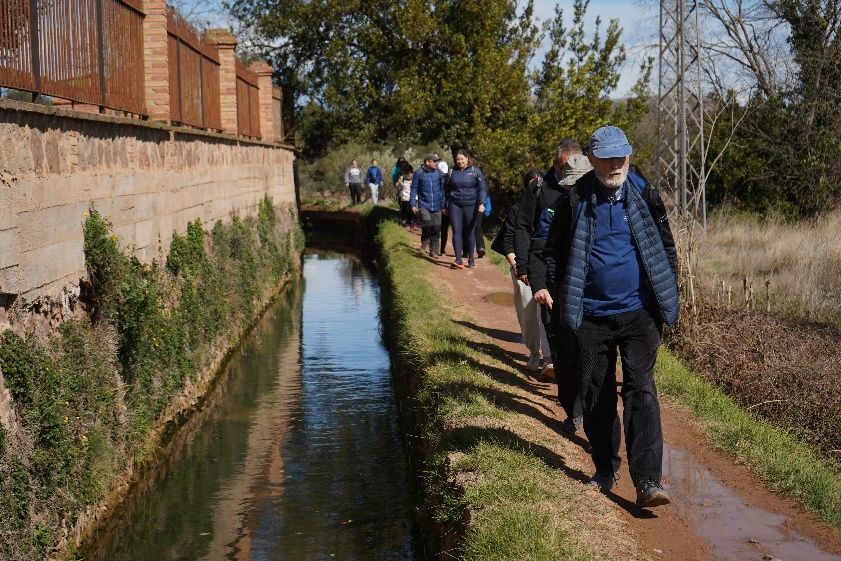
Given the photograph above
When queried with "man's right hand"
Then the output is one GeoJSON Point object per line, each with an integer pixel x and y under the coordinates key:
{"type": "Point", "coordinates": [542, 297]}
{"type": "Point", "coordinates": [523, 279]}
{"type": "Point", "coordinates": [414, 210]}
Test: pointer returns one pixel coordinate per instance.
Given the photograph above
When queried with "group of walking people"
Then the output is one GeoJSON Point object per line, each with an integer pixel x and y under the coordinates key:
{"type": "Point", "coordinates": [437, 197]}
{"type": "Point", "coordinates": [355, 177]}
{"type": "Point", "coordinates": [594, 269]}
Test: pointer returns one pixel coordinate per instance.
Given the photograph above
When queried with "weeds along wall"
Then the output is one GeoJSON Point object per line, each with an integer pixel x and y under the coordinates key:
{"type": "Point", "coordinates": [90, 399]}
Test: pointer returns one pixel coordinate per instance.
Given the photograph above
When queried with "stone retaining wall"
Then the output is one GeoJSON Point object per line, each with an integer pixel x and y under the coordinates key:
{"type": "Point", "coordinates": [148, 179]}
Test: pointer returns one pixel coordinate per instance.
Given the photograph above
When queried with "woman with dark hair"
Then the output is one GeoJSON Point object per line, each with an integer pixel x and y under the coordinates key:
{"type": "Point", "coordinates": [397, 174]}
{"type": "Point", "coordinates": [404, 188]}
{"type": "Point", "coordinates": [465, 195]}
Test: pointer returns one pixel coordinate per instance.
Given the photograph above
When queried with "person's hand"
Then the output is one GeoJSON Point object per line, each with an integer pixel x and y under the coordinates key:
{"type": "Point", "coordinates": [481, 209]}
{"type": "Point", "coordinates": [444, 210]}
{"type": "Point", "coordinates": [524, 279]}
{"type": "Point", "coordinates": [542, 297]}
{"type": "Point", "coordinates": [414, 210]}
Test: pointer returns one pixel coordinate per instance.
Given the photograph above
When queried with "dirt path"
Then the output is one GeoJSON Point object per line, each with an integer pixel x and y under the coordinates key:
{"type": "Point", "coordinates": [719, 510]}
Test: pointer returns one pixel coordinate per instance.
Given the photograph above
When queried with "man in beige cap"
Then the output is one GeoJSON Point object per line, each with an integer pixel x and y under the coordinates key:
{"type": "Point", "coordinates": [531, 230]}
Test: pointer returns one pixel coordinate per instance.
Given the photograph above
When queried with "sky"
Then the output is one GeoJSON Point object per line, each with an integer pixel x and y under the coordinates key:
{"type": "Point", "coordinates": [639, 20]}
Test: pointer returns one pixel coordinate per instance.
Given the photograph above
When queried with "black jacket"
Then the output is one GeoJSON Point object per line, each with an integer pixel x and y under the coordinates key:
{"type": "Point", "coordinates": [504, 241]}
{"type": "Point", "coordinates": [534, 200]}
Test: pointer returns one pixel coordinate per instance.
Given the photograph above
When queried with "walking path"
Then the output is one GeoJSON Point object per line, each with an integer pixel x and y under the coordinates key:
{"type": "Point", "coordinates": [719, 510]}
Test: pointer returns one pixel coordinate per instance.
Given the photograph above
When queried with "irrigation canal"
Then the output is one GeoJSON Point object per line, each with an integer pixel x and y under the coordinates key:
{"type": "Point", "coordinates": [295, 454]}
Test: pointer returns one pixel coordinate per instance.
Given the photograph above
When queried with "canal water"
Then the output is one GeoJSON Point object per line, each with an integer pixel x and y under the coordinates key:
{"type": "Point", "coordinates": [295, 454]}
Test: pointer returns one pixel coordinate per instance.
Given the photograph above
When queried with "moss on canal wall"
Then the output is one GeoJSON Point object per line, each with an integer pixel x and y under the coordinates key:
{"type": "Point", "coordinates": [92, 400]}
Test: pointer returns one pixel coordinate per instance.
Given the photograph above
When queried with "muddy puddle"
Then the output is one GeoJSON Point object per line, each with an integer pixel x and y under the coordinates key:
{"type": "Point", "coordinates": [735, 529]}
{"type": "Point", "coordinates": [500, 298]}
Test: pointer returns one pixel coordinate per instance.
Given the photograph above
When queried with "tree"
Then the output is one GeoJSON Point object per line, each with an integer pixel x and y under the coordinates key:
{"type": "Point", "coordinates": [450, 71]}
{"type": "Point", "coordinates": [782, 154]}
{"type": "Point", "coordinates": [743, 46]}
{"type": "Point", "coordinates": [436, 68]}
{"type": "Point", "coordinates": [575, 86]}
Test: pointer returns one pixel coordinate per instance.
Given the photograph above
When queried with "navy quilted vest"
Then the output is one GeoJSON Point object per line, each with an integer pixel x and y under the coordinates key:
{"type": "Point", "coordinates": [646, 234]}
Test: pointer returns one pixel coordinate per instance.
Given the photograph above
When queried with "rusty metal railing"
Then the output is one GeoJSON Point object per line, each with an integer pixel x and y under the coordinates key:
{"type": "Point", "coordinates": [87, 51]}
{"type": "Point", "coordinates": [193, 76]}
{"type": "Point", "coordinates": [248, 102]}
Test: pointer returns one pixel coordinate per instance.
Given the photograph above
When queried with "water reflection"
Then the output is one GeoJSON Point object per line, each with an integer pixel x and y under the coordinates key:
{"type": "Point", "coordinates": [735, 529]}
{"type": "Point", "coordinates": [344, 493]}
{"type": "Point", "coordinates": [295, 454]}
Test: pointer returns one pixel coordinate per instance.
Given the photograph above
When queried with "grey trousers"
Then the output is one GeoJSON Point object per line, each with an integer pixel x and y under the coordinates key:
{"type": "Point", "coordinates": [430, 228]}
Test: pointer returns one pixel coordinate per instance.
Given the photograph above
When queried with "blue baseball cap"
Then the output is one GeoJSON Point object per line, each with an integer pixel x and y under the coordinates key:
{"type": "Point", "coordinates": [609, 142]}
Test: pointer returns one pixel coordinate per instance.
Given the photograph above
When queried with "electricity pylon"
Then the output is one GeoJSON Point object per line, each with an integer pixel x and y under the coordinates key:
{"type": "Point", "coordinates": [680, 148]}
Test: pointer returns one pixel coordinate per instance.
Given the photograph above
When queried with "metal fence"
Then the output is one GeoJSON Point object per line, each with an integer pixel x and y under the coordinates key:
{"type": "Point", "coordinates": [193, 76]}
{"type": "Point", "coordinates": [92, 52]}
{"type": "Point", "coordinates": [88, 51]}
{"type": "Point", "coordinates": [248, 102]}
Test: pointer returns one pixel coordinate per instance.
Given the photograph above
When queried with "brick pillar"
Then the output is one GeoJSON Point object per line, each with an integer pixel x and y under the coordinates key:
{"type": "Point", "coordinates": [264, 82]}
{"type": "Point", "coordinates": [225, 44]}
{"type": "Point", "coordinates": [156, 60]}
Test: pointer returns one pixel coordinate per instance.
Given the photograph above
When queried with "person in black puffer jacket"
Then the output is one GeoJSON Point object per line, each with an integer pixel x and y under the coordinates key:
{"type": "Point", "coordinates": [528, 311]}
{"type": "Point", "coordinates": [531, 230]}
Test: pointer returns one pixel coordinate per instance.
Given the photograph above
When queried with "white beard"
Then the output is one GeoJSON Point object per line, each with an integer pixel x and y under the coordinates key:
{"type": "Point", "coordinates": [614, 182]}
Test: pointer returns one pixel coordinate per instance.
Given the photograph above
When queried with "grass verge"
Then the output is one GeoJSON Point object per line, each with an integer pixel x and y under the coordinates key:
{"type": "Point", "coordinates": [493, 487]}
{"type": "Point", "coordinates": [784, 464]}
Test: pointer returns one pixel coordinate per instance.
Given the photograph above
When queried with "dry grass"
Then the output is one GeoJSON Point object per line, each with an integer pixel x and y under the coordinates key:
{"type": "Point", "coordinates": [782, 366]}
{"type": "Point", "coordinates": [778, 369]}
{"type": "Point", "coordinates": [801, 262]}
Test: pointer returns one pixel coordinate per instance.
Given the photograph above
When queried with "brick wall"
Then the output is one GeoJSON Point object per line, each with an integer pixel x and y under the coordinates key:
{"type": "Point", "coordinates": [148, 179]}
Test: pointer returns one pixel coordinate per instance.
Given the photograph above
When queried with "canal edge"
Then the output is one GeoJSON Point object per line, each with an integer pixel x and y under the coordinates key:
{"type": "Point", "coordinates": [182, 405]}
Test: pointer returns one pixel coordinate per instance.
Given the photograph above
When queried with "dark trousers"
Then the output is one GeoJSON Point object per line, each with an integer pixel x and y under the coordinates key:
{"type": "Point", "coordinates": [564, 349]}
{"type": "Point", "coordinates": [445, 226]}
{"type": "Point", "coordinates": [430, 228]}
{"type": "Point", "coordinates": [462, 219]}
{"type": "Point", "coordinates": [355, 193]}
{"type": "Point", "coordinates": [406, 214]}
{"type": "Point", "coordinates": [478, 234]}
{"type": "Point", "coordinates": [636, 335]}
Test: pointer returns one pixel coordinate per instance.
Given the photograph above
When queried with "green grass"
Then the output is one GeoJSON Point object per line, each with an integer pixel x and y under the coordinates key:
{"type": "Point", "coordinates": [465, 401]}
{"type": "Point", "coordinates": [456, 389]}
{"type": "Point", "coordinates": [785, 465]}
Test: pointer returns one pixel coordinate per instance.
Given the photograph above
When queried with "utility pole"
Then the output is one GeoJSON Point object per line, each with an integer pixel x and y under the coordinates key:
{"type": "Point", "coordinates": [681, 151]}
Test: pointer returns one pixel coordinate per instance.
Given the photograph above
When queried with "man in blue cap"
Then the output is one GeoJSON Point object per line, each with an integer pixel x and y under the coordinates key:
{"type": "Point", "coordinates": [611, 278]}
